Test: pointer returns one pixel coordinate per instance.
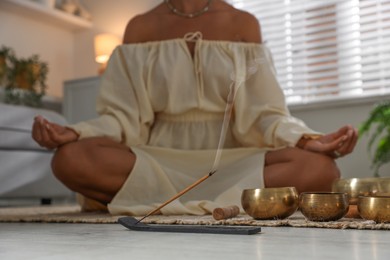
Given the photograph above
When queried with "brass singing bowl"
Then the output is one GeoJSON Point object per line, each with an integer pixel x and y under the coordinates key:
{"type": "Point", "coordinates": [270, 203]}
{"type": "Point", "coordinates": [375, 208]}
{"type": "Point", "coordinates": [356, 187]}
{"type": "Point", "coordinates": [323, 206]}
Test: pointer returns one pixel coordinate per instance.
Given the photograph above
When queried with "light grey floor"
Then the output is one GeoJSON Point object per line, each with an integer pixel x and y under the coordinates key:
{"type": "Point", "coordinates": [112, 241]}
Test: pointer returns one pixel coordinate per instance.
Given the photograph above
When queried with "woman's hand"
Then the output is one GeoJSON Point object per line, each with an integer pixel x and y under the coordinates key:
{"type": "Point", "coordinates": [51, 135]}
{"type": "Point", "coordinates": [336, 144]}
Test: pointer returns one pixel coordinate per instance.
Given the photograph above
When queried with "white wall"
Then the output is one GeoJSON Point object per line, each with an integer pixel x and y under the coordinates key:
{"type": "Point", "coordinates": [112, 16]}
{"type": "Point", "coordinates": [70, 55]}
{"type": "Point", "coordinates": [53, 44]}
{"type": "Point", "coordinates": [108, 17]}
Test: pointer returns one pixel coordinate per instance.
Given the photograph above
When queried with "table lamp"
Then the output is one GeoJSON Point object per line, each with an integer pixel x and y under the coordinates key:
{"type": "Point", "coordinates": [104, 45]}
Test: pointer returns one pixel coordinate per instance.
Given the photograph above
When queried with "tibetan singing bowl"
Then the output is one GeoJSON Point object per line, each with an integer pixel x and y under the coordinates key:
{"type": "Point", "coordinates": [270, 203]}
{"type": "Point", "coordinates": [375, 208]}
{"type": "Point", "coordinates": [323, 206]}
{"type": "Point", "coordinates": [356, 187]}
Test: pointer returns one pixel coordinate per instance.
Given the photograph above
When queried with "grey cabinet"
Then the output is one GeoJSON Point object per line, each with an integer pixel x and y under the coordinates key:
{"type": "Point", "coordinates": [80, 99]}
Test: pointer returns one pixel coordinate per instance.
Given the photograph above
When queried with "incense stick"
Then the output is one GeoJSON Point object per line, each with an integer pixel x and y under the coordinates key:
{"type": "Point", "coordinates": [225, 124]}
{"type": "Point", "coordinates": [177, 195]}
{"type": "Point", "coordinates": [234, 86]}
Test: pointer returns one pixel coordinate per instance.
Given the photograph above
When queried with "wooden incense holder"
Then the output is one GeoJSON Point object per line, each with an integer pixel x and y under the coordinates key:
{"type": "Point", "coordinates": [225, 213]}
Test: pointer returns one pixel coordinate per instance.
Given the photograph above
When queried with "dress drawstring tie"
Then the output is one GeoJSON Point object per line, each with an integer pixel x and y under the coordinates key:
{"type": "Point", "coordinates": [196, 37]}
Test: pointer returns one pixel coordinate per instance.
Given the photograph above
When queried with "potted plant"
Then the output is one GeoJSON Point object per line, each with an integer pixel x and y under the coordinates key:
{"type": "Point", "coordinates": [5, 53]}
{"type": "Point", "coordinates": [25, 79]}
{"type": "Point", "coordinates": [379, 122]}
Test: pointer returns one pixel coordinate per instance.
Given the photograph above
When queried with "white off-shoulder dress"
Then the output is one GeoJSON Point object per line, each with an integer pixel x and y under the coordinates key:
{"type": "Point", "coordinates": [168, 106]}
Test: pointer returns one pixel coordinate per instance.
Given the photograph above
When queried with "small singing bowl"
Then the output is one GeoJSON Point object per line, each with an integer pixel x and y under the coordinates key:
{"type": "Point", "coordinates": [356, 187]}
{"type": "Point", "coordinates": [270, 203]}
{"type": "Point", "coordinates": [323, 206]}
{"type": "Point", "coordinates": [375, 208]}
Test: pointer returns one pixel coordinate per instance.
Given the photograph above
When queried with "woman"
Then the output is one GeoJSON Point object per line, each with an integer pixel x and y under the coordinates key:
{"type": "Point", "coordinates": [161, 107]}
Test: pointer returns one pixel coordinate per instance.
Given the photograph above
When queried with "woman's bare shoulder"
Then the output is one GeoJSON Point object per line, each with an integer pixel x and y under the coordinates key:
{"type": "Point", "coordinates": [139, 27]}
{"type": "Point", "coordinates": [147, 26]}
{"type": "Point", "coordinates": [244, 23]}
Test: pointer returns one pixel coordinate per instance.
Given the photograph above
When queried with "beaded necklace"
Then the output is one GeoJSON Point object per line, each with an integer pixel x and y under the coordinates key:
{"type": "Point", "coordinates": [188, 15]}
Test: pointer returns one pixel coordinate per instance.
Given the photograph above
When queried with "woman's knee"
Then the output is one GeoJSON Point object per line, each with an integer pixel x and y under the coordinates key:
{"type": "Point", "coordinates": [323, 171]}
{"type": "Point", "coordinates": [73, 157]}
{"type": "Point", "coordinates": [307, 171]}
{"type": "Point", "coordinates": [65, 161]}
{"type": "Point", "coordinates": [330, 167]}
{"type": "Point", "coordinates": [93, 163]}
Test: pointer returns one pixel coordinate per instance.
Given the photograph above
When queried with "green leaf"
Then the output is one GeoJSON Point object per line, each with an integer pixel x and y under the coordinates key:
{"type": "Point", "coordinates": [377, 126]}
{"type": "Point", "coordinates": [382, 154]}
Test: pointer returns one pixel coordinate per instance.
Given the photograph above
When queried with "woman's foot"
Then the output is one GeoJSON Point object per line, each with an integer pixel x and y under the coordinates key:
{"type": "Point", "coordinates": [90, 205]}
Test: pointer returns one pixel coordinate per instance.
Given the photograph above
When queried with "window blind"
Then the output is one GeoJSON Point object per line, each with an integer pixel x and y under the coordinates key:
{"type": "Point", "coordinates": [326, 49]}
